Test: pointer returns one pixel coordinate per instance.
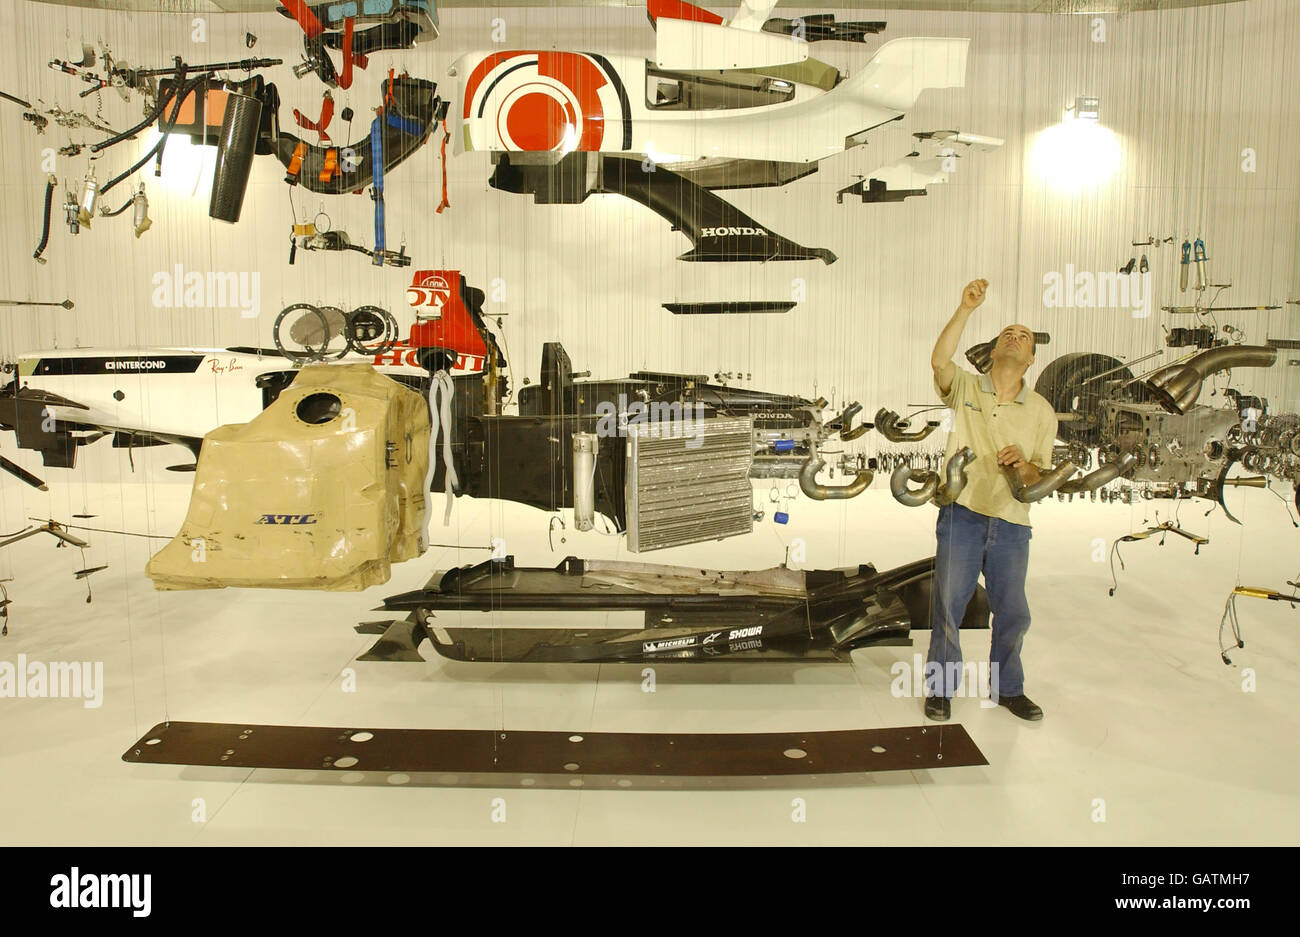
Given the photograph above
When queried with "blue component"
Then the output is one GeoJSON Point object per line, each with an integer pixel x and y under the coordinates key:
{"type": "Point", "coordinates": [377, 192]}
{"type": "Point", "coordinates": [783, 445]}
{"type": "Point", "coordinates": [781, 517]}
{"type": "Point", "coordinates": [405, 124]}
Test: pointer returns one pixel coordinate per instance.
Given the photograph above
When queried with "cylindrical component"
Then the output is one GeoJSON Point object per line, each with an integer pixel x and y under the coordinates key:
{"type": "Point", "coordinates": [234, 155]}
{"type": "Point", "coordinates": [781, 517]}
{"type": "Point", "coordinates": [89, 195]}
{"type": "Point", "coordinates": [585, 446]}
{"type": "Point", "coordinates": [783, 445]}
{"type": "Point", "coordinates": [140, 214]}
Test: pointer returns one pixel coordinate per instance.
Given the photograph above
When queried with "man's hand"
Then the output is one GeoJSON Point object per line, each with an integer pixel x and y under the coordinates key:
{"type": "Point", "coordinates": [973, 294]}
{"type": "Point", "coordinates": [941, 357]}
{"type": "Point", "coordinates": [1012, 456]}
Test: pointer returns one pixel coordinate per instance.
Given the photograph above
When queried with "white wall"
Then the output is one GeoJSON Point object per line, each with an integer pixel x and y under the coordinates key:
{"type": "Point", "coordinates": [1185, 90]}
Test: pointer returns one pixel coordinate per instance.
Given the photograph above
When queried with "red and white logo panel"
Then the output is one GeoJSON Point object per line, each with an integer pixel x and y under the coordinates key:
{"type": "Point", "coordinates": [542, 102]}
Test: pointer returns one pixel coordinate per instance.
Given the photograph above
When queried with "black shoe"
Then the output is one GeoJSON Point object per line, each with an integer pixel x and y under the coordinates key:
{"type": "Point", "coordinates": [1022, 706]}
{"type": "Point", "coordinates": [938, 708]}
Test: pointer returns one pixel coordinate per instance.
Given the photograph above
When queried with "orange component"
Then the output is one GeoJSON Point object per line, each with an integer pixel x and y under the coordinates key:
{"type": "Point", "coordinates": [295, 163]}
{"type": "Point", "coordinates": [331, 167]}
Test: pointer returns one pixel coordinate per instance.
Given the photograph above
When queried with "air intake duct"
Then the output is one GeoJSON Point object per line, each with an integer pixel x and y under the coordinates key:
{"type": "Point", "coordinates": [235, 148]}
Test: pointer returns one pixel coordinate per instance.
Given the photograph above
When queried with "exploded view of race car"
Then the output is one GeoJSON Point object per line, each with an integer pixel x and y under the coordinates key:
{"type": "Point", "coordinates": [668, 458]}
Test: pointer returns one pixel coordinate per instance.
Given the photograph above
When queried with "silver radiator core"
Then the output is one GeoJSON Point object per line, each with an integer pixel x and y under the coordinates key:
{"type": "Point", "coordinates": [688, 481]}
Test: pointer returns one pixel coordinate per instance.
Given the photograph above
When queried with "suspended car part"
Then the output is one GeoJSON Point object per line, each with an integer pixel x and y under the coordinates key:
{"type": "Point", "coordinates": [463, 754]}
{"type": "Point", "coordinates": [339, 241]}
{"type": "Point", "coordinates": [1177, 386]}
{"type": "Point", "coordinates": [236, 147]}
{"type": "Point", "coordinates": [367, 330]}
{"type": "Point", "coordinates": [809, 485]}
{"type": "Point", "coordinates": [930, 490]}
{"type": "Point", "coordinates": [719, 232]}
{"type": "Point", "coordinates": [821, 27]}
{"type": "Point", "coordinates": [324, 489]}
{"type": "Point", "coordinates": [1049, 482]}
{"type": "Point", "coordinates": [729, 308]}
{"type": "Point", "coordinates": [411, 108]}
{"type": "Point", "coordinates": [50, 183]}
{"type": "Point", "coordinates": [888, 424]}
{"type": "Point", "coordinates": [394, 24]}
{"type": "Point", "coordinates": [641, 612]}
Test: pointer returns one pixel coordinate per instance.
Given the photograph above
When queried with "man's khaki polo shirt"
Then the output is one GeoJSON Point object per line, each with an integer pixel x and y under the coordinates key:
{"type": "Point", "coordinates": [988, 425]}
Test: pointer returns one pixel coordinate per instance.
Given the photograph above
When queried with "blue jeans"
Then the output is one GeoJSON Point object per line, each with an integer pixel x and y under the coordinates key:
{"type": "Point", "coordinates": [971, 543]}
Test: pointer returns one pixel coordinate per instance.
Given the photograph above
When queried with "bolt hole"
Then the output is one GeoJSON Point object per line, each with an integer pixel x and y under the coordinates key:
{"type": "Point", "coordinates": [347, 761]}
{"type": "Point", "coordinates": [363, 736]}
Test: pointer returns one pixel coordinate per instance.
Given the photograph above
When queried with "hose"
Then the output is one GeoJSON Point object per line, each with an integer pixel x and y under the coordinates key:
{"type": "Point", "coordinates": [117, 211]}
{"type": "Point", "coordinates": [45, 229]}
{"type": "Point", "coordinates": [441, 388]}
{"type": "Point", "coordinates": [127, 134]}
{"type": "Point", "coordinates": [162, 141]}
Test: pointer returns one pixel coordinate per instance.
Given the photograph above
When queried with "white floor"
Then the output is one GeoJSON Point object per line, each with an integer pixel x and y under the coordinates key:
{"type": "Point", "coordinates": [1148, 737]}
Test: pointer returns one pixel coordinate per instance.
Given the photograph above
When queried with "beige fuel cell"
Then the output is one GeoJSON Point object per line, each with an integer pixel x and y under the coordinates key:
{"type": "Point", "coordinates": [322, 490]}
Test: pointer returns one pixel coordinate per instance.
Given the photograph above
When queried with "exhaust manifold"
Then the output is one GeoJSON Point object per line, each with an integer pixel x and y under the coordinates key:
{"type": "Point", "coordinates": [887, 422]}
{"type": "Point", "coordinates": [809, 485]}
{"type": "Point", "coordinates": [955, 481]}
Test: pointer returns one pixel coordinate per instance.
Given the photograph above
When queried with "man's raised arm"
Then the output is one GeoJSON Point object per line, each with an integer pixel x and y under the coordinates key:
{"type": "Point", "coordinates": [941, 358]}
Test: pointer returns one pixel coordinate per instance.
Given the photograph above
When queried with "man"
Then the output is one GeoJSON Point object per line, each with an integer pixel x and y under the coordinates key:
{"type": "Point", "coordinates": [986, 529]}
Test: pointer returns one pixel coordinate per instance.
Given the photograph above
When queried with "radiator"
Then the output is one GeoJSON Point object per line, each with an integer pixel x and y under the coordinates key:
{"type": "Point", "coordinates": [685, 487]}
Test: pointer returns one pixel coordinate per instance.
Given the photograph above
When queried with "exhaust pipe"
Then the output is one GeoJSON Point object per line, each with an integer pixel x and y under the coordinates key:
{"type": "Point", "coordinates": [1177, 386]}
{"type": "Point", "coordinates": [1040, 489]}
{"type": "Point", "coordinates": [809, 486]}
{"type": "Point", "coordinates": [956, 475]}
{"type": "Point", "coordinates": [1094, 480]}
{"type": "Point", "coordinates": [912, 497]}
{"type": "Point", "coordinates": [886, 422]}
{"type": "Point", "coordinates": [930, 490]}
